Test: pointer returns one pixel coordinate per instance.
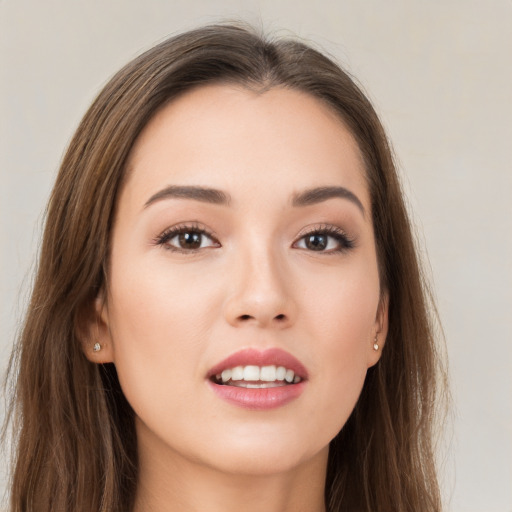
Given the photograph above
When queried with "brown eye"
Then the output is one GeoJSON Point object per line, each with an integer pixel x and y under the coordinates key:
{"type": "Point", "coordinates": [326, 239]}
{"type": "Point", "coordinates": [190, 240]}
{"type": "Point", "coordinates": [316, 242]}
{"type": "Point", "coordinates": [186, 239]}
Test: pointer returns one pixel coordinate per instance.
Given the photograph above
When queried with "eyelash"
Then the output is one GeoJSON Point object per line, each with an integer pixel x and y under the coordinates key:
{"type": "Point", "coordinates": [345, 242]}
{"type": "Point", "coordinates": [164, 238]}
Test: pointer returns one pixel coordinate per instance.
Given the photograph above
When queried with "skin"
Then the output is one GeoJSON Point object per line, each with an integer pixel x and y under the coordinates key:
{"type": "Point", "coordinates": [170, 316]}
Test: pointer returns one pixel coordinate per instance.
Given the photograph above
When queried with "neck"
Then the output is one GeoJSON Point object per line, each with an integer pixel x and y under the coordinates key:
{"type": "Point", "coordinates": [169, 482]}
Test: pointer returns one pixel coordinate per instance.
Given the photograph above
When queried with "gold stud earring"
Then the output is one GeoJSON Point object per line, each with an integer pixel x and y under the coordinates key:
{"type": "Point", "coordinates": [96, 348]}
{"type": "Point", "coordinates": [375, 344]}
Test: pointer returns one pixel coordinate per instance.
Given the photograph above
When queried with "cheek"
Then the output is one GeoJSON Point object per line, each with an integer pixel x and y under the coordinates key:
{"type": "Point", "coordinates": [340, 309]}
{"type": "Point", "coordinates": [161, 308]}
{"type": "Point", "coordinates": [340, 318]}
{"type": "Point", "coordinates": [159, 326]}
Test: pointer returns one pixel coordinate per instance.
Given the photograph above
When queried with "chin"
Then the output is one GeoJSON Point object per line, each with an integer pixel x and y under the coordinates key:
{"type": "Point", "coordinates": [263, 457]}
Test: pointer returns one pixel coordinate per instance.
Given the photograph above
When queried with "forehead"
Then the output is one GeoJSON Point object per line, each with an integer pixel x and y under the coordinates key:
{"type": "Point", "coordinates": [232, 138]}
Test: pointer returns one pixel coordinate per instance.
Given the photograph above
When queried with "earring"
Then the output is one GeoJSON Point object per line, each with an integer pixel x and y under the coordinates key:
{"type": "Point", "coordinates": [375, 344]}
{"type": "Point", "coordinates": [96, 348]}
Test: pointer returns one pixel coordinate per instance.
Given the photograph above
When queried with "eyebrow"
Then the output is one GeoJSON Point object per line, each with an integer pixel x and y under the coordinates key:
{"type": "Point", "coordinates": [320, 194]}
{"type": "Point", "coordinates": [203, 194]}
{"type": "Point", "coordinates": [214, 196]}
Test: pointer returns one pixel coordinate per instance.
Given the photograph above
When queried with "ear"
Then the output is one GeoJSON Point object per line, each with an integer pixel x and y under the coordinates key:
{"type": "Point", "coordinates": [93, 331]}
{"type": "Point", "coordinates": [380, 331]}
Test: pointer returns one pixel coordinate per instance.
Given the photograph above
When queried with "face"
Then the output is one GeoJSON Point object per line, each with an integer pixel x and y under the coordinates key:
{"type": "Point", "coordinates": [243, 296]}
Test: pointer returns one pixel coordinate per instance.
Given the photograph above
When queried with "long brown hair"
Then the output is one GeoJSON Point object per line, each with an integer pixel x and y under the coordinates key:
{"type": "Point", "coordinates": [75, 443]}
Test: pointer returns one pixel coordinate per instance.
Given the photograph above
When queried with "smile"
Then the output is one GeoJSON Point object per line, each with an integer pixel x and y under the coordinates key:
{"type": "Point", "coordinates": [258, 380]}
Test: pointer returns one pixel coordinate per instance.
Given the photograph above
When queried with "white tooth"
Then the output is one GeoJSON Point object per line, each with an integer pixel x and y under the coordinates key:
{"type": "Point", "coordinates": [290, 374]}
{"type": "Point", "coordinates": [268, 373]}
{"type": "Point", "coordinates": [226, 375]}
{"type": "Point", "coordinates": [280, 372]}
{"type": "Point", "coordinates": [296, 379]}
{"type": "Point", "coordinates": [218, 376]}
{"type": "Point", "coordinates": [252, 373]}
{"type": "Point", "coordinates": [256, 385]}
{"type": "Point", "coordinates": [237, 373]}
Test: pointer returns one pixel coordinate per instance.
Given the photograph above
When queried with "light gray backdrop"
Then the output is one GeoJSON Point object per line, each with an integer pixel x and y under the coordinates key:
{"type": "Point", "coordinates": [440, 75]}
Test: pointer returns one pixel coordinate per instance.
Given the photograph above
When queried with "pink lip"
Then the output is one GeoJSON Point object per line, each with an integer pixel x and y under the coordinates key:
{"type": "Point", "coordinates": [251, 356]}
{"type": "Point", "coordinates": [259, 399]}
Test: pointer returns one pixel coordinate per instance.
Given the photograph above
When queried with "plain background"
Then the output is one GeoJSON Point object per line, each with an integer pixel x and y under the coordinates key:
{"type": "Point", "coordinates": [440, 75]}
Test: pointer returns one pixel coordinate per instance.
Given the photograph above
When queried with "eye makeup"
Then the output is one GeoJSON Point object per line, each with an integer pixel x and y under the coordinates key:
{"type": "Point", "coordinates": [190, 238]}
{"type": "Point", "coordinates": [326, 236]}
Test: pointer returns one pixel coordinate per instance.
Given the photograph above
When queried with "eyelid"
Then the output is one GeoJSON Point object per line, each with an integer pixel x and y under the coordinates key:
{"type": "Point", "coordinates": [345, 241]}
{"type": "Point", "coordinates": [172, 231]}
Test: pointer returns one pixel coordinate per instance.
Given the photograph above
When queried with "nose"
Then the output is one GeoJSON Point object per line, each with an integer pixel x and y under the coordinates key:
{"type": "Point", "coordinates": [260, 292]}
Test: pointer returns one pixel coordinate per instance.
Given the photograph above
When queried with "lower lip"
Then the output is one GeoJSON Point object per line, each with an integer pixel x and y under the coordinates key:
{"type": "Point", "coordinates": [259, 399]}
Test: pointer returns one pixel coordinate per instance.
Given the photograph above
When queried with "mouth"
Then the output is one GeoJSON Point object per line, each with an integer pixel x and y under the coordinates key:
{"type": "Point", "coordinates": [258, 380]}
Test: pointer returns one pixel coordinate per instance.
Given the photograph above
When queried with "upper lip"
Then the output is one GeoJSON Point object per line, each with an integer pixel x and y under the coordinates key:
{"type": "Point", "coordinates": [268, 357]}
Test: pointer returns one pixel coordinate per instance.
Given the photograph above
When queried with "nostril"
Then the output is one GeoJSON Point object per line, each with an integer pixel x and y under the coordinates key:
{"type": "Point", "coordinates": [244, 318]}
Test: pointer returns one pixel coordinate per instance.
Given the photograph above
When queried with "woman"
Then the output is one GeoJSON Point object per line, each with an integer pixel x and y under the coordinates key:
{"type": "Point", "coordinates": [228, 310]}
